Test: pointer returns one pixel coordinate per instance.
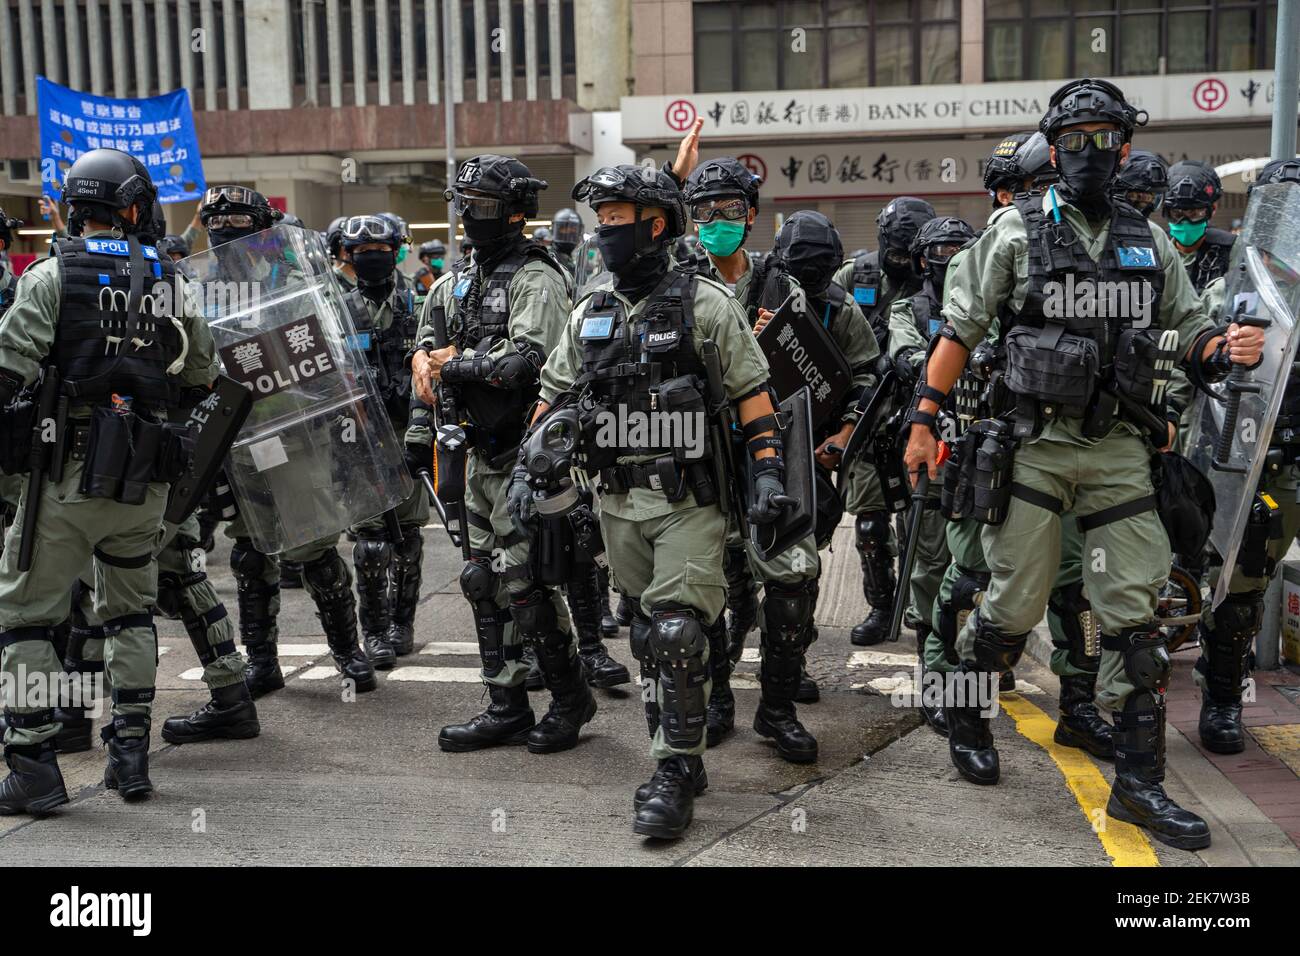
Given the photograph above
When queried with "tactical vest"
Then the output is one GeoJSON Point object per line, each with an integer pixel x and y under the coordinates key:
{"type": "Point", "coordinates": [1049, 358]}
{"type": "Point", "coordinates": [1211, 258]}
{"type": "Point", "coordinates": [964, 403]}
{"type": "Point", "coordinates": [625, 361]}
{"type": "Point", "coordinates": [386, 349]}
{"type": "Point", "coordinates": [870, 295]}
{"type": "Point", "coordinates": [109, 341]}
{"type": "Point", "coordinates": [480, 311]}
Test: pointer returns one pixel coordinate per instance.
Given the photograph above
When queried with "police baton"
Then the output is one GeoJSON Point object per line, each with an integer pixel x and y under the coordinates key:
{"type": "Point", "coordinates": [43, 455]}
{"type": "Point", "coordinates": [919, 491]}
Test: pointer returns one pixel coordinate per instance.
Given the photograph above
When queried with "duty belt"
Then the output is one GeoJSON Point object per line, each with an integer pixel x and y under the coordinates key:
{"type": "Point", "coordinates": [663, 474]}
{"type": "Point", "coordinates": [77, 441]}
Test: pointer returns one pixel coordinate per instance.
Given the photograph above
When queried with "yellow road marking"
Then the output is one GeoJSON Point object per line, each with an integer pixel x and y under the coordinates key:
{"type": "Point", "coordinates": [1126, 844]}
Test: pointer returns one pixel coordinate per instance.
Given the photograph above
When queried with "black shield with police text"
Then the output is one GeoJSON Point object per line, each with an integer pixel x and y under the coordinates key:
{"type": "Point", "coordinates": [216, 421]}
{"type": "Point", "coordinates": [797, 522]}
{"type": "Point", "coordinates": [802, 354]}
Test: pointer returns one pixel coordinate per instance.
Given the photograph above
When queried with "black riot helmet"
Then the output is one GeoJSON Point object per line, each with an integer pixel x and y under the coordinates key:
{"type": "Point", "coordinates": [1142, 181]}
{"type": "Point", "coordinates": [1089, 100]}
{"type": "Point", "coordinates": [1277, 171]}
{"type": "Point", "coordinates": [173, 245]}
{"type": "Point", "coordinates": [645, 188]}
{"type": "Point", "coordinates": [1002, 171]}
{"type": "Point", "coordinates": [373, 267]}
{"type": "Point", "coordinates": [101, 182]}
{"type": "Point", "coordinates": [937, 240]}
{"type": "Point", "coordinates": [232, 212]}
{"type": "Point", "coordinates": [289, 219]}
{"type": "Point", "coordinates": [1034, 161]}
{"type": "Point", "coordinates": [541, 234]}
{"type": "Point", "coordinates": [334, 236]}
{"type": "Point", "coordinates": [896, 227]}
{"type": "Point", "coordinates": [1192, 185]}
{"type": "Point", "coordinates": [567, 230]}
{"type": "Point", "coordinates": [721, 179]}
{"type": "Point", "coordinates": [810, 247]}
{"type": "Point", "coordinates": [433, 249]}
{"type": "Point", "coordinates": [7, 226]}
{"type": "Point", "coordinates": [489, 190]}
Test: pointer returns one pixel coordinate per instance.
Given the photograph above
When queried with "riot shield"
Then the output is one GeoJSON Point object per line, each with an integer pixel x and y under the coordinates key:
{"type": "Point", "coordinates": [1231, 433]}
{"type": "Point", "coordinates": [217, 421]}
{"type": "Point", "coordinates": [317, 452]}
{"type": "Point", "coordinates": [796, 523]}
{"type": "Point", "coordinates": [801, 353]}
{"type": "Point", "coordinates": [589, 269]}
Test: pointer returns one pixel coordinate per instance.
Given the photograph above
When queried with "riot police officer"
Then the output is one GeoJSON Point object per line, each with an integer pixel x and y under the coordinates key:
{"type": "Point", "coordinates": [650, 343]}
{"type": "Point", "coordinates": [230, 213]}
{"type": "Point", "coordinates": [1227, 632]}
{"type": "Point", "coordinates": [433, 255]}
{"type": "Point", "coordinates": [876, 280]}
{"type": "Point", "coordinates": [567, 235]}
{"type": "Point", "coordinates": [504, 310]}
{"type": "Point", "coordinates": [7, 278]}
{"type": "Point", "coordinates": [334, 243]}
{"type": "Point", "coordinates": [1079, 437]}
{"type": "Point", "coordinates": [174, 246]}
{"type": "Point", "coordinates": [1190, 201]}
{"type": "Point", "coordinates": [1141, 182]}
{"type": "Point", "coordinates": [113, 380]}
{"type": "Point", "coordinates": [388, 571]}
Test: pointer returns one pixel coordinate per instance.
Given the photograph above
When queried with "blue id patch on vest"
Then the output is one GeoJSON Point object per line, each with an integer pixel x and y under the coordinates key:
{"type": "Point", "coordinates": [935, 326]}
{"type": "Point", "coordinates": [864, 295]}
{"type": "Point", "coordinates": [105, 279]}
{"type": "Point", "coordinates": [597, 327]}
{"type": "Point", "coordinates": [461, 287]}
{"type": "Point", "coordinates": [1136, 257]}
{"type": "Point", "coordinates": [360, 341]}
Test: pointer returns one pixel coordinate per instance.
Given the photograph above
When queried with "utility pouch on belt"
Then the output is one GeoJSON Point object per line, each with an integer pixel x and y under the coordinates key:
{"type": "Point", "coordinates": [1051, 365]}
{"type": "Point", "coordinates": [1144, 363]}
{"type": "Point", "coordinates": [991, 454]}
{"type": "Point", "coordinates": [125, 453]}
{"type": "Point", "coordinates": [16, 424]}
{"type": "Point", "coordinates": [956, 497]}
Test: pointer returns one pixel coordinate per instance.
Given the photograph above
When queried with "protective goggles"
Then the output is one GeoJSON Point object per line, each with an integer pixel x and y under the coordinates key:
{"type": "Point", "coordinates": [368, 227]}
{"type": "Point", "coordinates": [1195, 214]}
{"type": "Point", "coordinates": [234, 220]}
{"type": "Point", "coordinates": [475, 207]}
{"type": "Point", "coordinates": [941, 252]}
{"type": "Point", "coordinates": [1075, 140]}
{"type": "Point", "coordinates": [898, 257]}
{"type": "Point", "coordinates": [1143, 199]}
{"type": "Point", "coordinates": [733, 210]}
{"type": "Point", "coordinates": [236, 195]}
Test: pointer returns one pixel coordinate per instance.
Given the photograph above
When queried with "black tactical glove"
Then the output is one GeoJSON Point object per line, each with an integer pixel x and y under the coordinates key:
{"type": "Point", "coordinates": [418, 458]}
{"type": "Point", "coordinates": [519, 500]}
{"type": "Point", "coordinates": [767, 494]}
{"type": "Point", "coordinates": [906, 369]}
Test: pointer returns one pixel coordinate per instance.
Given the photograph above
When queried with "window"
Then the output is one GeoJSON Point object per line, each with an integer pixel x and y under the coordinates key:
{"type": "Point", "coordinates": [1057, 39]}
{"type": "Point", "coordinates": [817, 44]}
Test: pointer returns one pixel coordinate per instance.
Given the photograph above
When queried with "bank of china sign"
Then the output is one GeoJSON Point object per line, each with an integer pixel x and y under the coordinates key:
{"type": "Point", "coordinates": [927, 109]}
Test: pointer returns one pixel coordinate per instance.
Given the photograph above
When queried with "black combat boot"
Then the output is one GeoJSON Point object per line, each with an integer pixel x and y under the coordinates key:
{"type": "Point", "coordinates": [1006, 682]}
{"type": "Point", "coordinates": [584, 599]}
{"type": "Point", "coordinates": [371, 558]}
{"type": "Point", "coordinates": [507, 720]}
{"type": "Point", "coordinates": [608, 624]}
{"type": "Point", "coordinates": [808, 692]}
{"type": "Point", "coordinates": [931, 702]}
{"type": "Point", "coordinates": [784, 634]}
{"type": "Point", "coordinates": [34, 784]}
{"type": "Point", "coordinates": [879, 582]}
{"type": "Point", "coordinates": [721, 719]}
{"type": "Point", "coordinates": [572, 703]}
{"type": "Point", "coordinates": [330, 585]}
{"type": "Point", "coordinates": [742, 601]}
{"type": "Point", "coordinates": [229, 715]}
{"type": "Point", "coordinates": [1223, 666]}
{"type": "Point", "coordinates": [1137, 795]}
{"type": "Point", "coordinates": [259, 604]}
{"type": "Point", "coordinates": [666, 804]}
{"type": "Point", "coordinates": [1079, 724]}
{"type": "Point", "coordinates": [404, 594]}
{"type": "Point", "coordinates": [970, 734]}
{"type": "Point", "coordinates": [127, 771]}
{"type": "Point", "coordinates": [75, 734]}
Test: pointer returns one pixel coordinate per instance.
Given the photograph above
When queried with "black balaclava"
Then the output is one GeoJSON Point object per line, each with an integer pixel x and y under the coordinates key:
{"type": "Point", "coordinates": [637, 260]}
{"type": "Point", "coordinates": [1086, 178]}
{"type": "Point", "coordinates": [374, 270]}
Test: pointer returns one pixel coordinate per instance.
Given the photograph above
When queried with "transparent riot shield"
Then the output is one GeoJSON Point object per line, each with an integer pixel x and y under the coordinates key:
{"type": "Point", "coordinates": [1232, 428]}
{"type": "Point", "coordinates": [589, 270]}
{"type": "Point", "coordinates": [317, 453]}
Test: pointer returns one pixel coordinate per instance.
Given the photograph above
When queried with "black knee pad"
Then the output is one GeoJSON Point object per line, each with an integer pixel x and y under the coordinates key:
{"type": "Point", "coordinates": [371, 557]}
{"type": "Point", "coordinates": [534, 615]}
{"type": "Point", "coordinates": [676, 634]}
{"type": "Point", "coordinates": [679, 641]}
{"type": "Point", "coordinates": [1146, 657]}
{"type": "Point", "coordinates": [1226, 647]}
{"type": "Point", "coordinates": [639, 638]}
{"type": "Point", "coordinates": [788, 611]}
{"type": "Point", "coordinates": [410, 550]}
{"type": "Point", "coordinates": [872, 532]}
{"type": "Point", "coordinates": [995, 651]}
{"type": "Point", "coordinates": [1078, 625]}
{"type": "Point", "coordinates": [246, 561]}
{"type": "Point", "coordinates": [965, 596]}
{"type": "Point", "coordinates": [478, 582]}
{"type": "Point", "coordinates": [326, 573]}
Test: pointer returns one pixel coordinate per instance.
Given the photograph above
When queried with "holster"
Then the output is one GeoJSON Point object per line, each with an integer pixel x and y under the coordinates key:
{"type": "Point", "coordinates": [989, 462]}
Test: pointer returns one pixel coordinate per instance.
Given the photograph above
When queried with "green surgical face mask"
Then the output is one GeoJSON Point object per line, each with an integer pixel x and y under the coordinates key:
{"type": "Point", "coordinates": [722, 237]}
{"type": "Point", "coordinates": [401, 253]}
{"type": "Point", "coordinates": [437, 263]}
{"type": "Point", "coordinates": [1188, 233]}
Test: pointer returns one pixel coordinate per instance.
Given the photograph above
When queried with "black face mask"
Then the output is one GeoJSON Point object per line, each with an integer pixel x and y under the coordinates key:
{"type": "Point", "coordinates": [902, 272]}
{"type": "Point", "coordinates": [1087, 175]}
{"type": "Point", "coordinates": [219, 237]}
{"type": "Point", "coordinates": [619, 245]}
{"type": "Point", "coordinates": [374, 266]}
{"type": "Point", "coordinates": [812, 274]}
{"type": "Point", "coordinates": [485, 232]}
{"type": "Point", "coordinates": [938, 273]}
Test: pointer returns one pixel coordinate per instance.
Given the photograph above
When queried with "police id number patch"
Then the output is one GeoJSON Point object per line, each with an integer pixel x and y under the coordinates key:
{"type": "Point", "coordinates": [460, 288]}
{"type": "Point", "coordinates": [1136, 257]}
{"type": "Point", "coordinates": [595, 327]}
{"type": "Point", "coordinates": [865, 295]}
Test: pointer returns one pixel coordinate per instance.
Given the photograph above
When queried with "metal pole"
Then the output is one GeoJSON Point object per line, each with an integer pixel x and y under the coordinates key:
{"type": "Point", "coordinates": [449, 118]}
{"type": "Point", "coordinates": [1286, 81]}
